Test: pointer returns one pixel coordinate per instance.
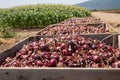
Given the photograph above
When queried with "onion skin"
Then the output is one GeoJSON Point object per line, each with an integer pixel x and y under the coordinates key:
{"type": "Point", "coordinates": [67, 27]}
{"type": "Point", "coordinates": [67, 51]}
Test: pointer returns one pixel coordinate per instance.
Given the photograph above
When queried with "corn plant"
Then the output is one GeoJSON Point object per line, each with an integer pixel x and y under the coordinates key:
{"type": "Point", "coordinates": [39, 15]}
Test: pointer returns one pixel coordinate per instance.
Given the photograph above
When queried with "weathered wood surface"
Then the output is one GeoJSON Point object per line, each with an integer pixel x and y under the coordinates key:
{"type": "Point", "coordinates": [119, 41]}
{"type": "Point", "coordinates": [59, 74]}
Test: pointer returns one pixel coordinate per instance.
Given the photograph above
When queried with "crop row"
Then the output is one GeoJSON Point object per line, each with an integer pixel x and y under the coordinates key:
{"type": "Point", "coordinates": [39, 15]}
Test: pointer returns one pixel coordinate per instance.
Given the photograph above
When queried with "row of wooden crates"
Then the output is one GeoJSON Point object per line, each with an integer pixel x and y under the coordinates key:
{"type": "Point", "coordinates": [30, 73]}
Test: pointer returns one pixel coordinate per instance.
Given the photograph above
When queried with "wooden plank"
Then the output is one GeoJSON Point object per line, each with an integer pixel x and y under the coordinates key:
{"type": "Point", "coordinates": [119, 41]}
{"type": "Point", "coordinates": [59, 74]}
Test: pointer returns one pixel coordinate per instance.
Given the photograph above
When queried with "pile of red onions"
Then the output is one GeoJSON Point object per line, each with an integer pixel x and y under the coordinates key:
{"type": "Point", "coordinates": [70, 29]}
{"type": "Point", "coordinates": [75, 26]}
{"type": "Point", "coordinates": [83, 20]}
{"type": "Point", "coordinates": [65, 51]}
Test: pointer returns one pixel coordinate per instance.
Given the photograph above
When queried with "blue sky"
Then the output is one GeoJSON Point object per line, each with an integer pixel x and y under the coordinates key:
{"type": "Point", "coordinates": [11, 3]}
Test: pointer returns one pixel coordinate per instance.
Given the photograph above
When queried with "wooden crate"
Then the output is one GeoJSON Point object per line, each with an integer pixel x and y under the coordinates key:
{"type": "Point", "coordinates": [107, 27]}
{"type": "Point", "coordinates": [31, 73]}
{"type": "Point", "coordinates": [59, 74]}
{"type": "Point", "coordinates": [109, 39]}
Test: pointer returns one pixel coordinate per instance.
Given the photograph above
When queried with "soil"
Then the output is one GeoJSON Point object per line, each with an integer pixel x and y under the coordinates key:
{"type": "Point", "coordinates": [6, 43]}
{"type": "Point", "coordinates": [111, 18]}
{"type": "Point", "coordinates": [112, 11]}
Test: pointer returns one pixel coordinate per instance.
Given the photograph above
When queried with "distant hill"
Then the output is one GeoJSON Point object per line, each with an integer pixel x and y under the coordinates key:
{"type": "Point", "coordinates": [101, 4]}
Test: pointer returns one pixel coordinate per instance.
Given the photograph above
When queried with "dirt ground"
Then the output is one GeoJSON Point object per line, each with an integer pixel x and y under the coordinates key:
{"type": "Point", "coordinates": [112, 11]}
{"type": "Point", "coordinates": [6, 43]}
{"type": "Point", "coordinates": [111, 18]}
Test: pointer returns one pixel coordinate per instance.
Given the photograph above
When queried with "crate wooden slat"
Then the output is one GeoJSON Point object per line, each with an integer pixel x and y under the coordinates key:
{"type": "Point", "coordinates": [59, 74]}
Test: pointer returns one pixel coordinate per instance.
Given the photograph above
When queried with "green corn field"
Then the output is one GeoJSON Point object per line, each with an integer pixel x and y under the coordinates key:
{"type": "Point", "coordinates": [39, 15]}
